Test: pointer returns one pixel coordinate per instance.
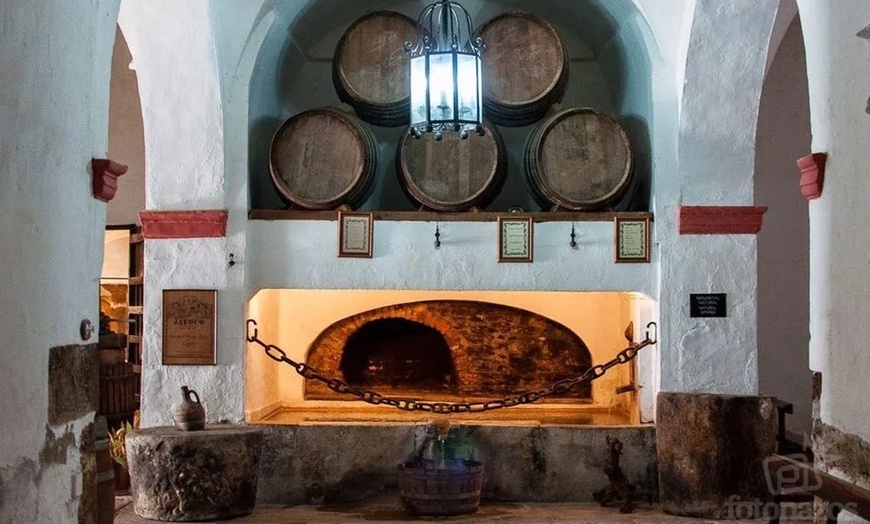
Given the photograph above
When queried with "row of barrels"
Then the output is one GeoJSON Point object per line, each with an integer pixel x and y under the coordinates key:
{"type": "Point", "coordinates": [525, 68]}
{"type": "Point", "coordinates": [575, 158]}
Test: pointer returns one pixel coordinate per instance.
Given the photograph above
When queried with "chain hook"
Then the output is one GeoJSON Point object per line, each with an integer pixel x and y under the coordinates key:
{"type": "Point", "coordinates": [252, 326]}
{"type": "Point", "coordinates": [655, 328]}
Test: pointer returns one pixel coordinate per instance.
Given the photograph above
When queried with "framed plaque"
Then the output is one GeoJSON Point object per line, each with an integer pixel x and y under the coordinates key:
{"type": "Point", "coordinates": [189, 321]}
{"type": "Point", "coordinates": [515, 239]}
{"type": "Point", "coordinates": [355, 234]}
{"type": "Point", "coordinates": [631, 239]}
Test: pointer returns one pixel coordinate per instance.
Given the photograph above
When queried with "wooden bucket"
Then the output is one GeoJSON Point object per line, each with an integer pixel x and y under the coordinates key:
{"type": "Point", "coordinates": [105, 473]}
{"type": "Point", "coordinates": [452, 174]}
{"type": "Point", "coordinates": [371, 71]}
{"type": "Point", "coordinates": [525, 68]}
{"type": "Point", "coordinates": [323, 158]}
{"type": "Point", "coordinates": [578, 159]}
{"type": "Point", "coordinates": [429, 490]}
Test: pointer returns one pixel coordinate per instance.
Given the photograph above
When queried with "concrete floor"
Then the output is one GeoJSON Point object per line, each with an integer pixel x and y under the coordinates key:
{"type": "Point", "coordinates": [388, 510]}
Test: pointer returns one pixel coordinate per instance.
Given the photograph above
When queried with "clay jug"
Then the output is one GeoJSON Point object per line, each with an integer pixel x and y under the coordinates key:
{"type": "Point", "coordinates": [189, 415]}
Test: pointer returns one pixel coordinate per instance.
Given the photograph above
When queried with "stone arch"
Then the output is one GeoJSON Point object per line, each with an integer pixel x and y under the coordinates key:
{"type": "Point", "coordinates": [495, 349]}
{"type": "Point", "coordinates": [721, 90]}
{"type": "Point", "coordinates": [183, 121]}
{"type": "Point", "coordinates": [126, 136]}
{"type": "Point", "coordinates": [185, 168]}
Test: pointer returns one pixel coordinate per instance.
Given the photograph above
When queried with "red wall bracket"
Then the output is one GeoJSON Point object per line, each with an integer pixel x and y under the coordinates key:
{"type": "Point", "coordinates": [720, 220]}
{"type": "Point", "coordinates": [105, 177]}
{"type": "Point", "coordinates": [812, 168]}
{"type": "Point", "coordinates": [184, 224]}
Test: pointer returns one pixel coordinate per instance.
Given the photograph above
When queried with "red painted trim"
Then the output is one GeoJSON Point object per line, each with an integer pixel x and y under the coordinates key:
{"type": "Point", "coordinates": [720, 220]}
{"type": "Point", "coordinates": [812, 168]}
{"type": "Point", "coordinates": [105, 175]}
{"type": "Point", "coordinates": [184, 224]}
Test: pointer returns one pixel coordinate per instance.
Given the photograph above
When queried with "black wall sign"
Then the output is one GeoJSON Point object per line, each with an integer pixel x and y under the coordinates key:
{"type": "Point", "coordinates": [707, 305]}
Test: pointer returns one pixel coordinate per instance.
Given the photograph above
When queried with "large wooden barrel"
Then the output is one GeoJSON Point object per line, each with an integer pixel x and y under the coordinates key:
{"type": "Point", "coordinates": [452, 174]}
{"type": "Point", "coordinates": [525, 68]}
{"type": "Point", "coordinates": [118, 387]}
{"type": "Point", "coordinates": [322, 159]}
{"type": "Point", "coordinates": [371, 70]}
{"type": "Point", "coordinates": [578, 159]}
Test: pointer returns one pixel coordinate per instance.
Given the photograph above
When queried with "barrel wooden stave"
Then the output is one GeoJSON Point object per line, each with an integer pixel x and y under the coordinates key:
{"type": "Point", "coordinates": [452, 174]}
{"type": "Point", "coordinates": [371, 71]}
{"type": "Point", "coordinates": [322, 159]}
{"type": "Point", "coordinates": [579, 159]}
{"type": "Point", "coordinates": [525, 68]}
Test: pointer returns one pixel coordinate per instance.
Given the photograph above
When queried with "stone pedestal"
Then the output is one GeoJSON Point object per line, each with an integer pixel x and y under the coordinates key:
{"type": "Point", "coordinates": [194, 475]}
{"type": "Point", "coordinates": [711, 451]}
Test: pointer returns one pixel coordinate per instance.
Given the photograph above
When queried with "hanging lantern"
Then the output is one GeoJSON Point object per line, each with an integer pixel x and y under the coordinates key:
{"type": "Point", "coordinates": [446, 89]}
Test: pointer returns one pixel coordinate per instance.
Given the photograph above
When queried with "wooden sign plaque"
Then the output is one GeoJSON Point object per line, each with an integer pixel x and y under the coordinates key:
{"type": "Point", "coordinates": [189, 321]}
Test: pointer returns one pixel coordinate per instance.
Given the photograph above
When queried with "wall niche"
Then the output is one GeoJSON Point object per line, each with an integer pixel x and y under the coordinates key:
{"type": "Point", "coordinates": [609, 71]}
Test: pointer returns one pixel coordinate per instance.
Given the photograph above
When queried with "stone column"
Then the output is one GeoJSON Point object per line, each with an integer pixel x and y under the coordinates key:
{"type": "Point", "coordinates": [711, 451]}
{"type": "Point", "coordinates": [194, 475]}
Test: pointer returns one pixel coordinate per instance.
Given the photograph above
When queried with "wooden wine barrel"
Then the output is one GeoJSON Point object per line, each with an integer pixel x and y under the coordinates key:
{"type": "Point", "coordinates": [525, 68]}
{"type": "Point", "coordinates": [371, 71]}
{"type": "Point", "coordinates": [118, 386]}
{"type": "Point", "coordinates": [578, 159]}
{"type": "Point", "coordinates": [452, 174]}
{"type": "Point", "coordinates": [323, 158]}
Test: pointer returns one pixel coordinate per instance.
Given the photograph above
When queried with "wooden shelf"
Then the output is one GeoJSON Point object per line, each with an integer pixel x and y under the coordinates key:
{"type": "Point", "coordinates": [435, 216]}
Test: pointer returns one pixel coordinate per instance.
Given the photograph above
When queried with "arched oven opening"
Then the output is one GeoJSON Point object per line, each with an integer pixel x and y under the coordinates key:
{"type": "Point", "coordinates": [397, 355]}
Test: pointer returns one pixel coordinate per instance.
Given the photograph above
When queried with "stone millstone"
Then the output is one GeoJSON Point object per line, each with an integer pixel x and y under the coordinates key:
{"type": "Point", "coordinates": [193, 475]}
{"type": "Point", "coordinates": [711, 451]}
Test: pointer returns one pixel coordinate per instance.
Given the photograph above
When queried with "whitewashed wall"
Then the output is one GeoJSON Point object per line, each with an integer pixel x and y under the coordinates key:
{"type": "Point", "coordinates": [725, 65]}
{"type": "Point", "coordinates": [838, 63]}
{"type": "Point", "coordinates": [173, 47]}
{"type": "Point", "coordinates": [702, 143]}
{"type": "Point", "coordinates": [54, 107]}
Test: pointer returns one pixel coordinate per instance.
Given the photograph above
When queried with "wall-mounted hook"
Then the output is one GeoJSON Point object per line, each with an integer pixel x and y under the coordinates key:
{"type": "Point", "coordinates": [437, 236]}
{"type": "Point", "coordinates": [232, 261]}
{"type": "Point", "coordinates": [86, 329]}
{"type": "Point", "coordinates": [573, 242]}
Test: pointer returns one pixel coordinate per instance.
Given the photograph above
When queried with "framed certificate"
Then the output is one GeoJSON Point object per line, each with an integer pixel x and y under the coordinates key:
{"type": "Point", "coordinates": [355, 234]}
{"type": "Point", "coordinates": [189, 326]}
{"type": "Point", "coordinates": [515, 239]}
{"type": "Point", "coordinates": [631, 240]}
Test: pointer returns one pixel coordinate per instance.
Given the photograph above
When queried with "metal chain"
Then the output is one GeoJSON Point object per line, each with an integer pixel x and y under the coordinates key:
{"type": "Point", "coordinates": [373, 397]}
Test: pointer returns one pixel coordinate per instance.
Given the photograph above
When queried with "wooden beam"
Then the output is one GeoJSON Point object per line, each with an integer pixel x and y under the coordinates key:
{"type": "Point", "coordinates": [435, 216]}
{"type": "Point", "coordinates": [791, 477]}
